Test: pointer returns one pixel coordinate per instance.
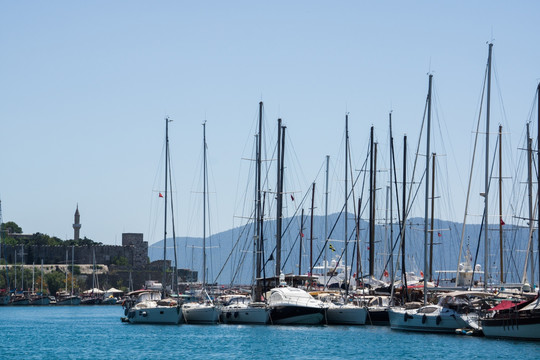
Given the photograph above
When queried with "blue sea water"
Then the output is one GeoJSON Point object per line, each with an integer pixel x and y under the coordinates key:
{"type": "Point", "coordinates": [96, 332]}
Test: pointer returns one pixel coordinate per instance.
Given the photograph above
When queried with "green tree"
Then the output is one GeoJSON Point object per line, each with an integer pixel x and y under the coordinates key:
{"type": "Point", "coordinates": [11, 227]}
{"type": "Point", "coordinates": [120, 260]}
{"type": "Point", "coordinates": [55, 281]}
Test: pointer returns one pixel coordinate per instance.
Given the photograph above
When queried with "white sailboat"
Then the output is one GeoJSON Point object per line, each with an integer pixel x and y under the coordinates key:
{"type": "Point", "coordinates": [243, 309]}
{"type": "Point", "coordinates": [149, 305]}
{"type": "Point", "coordinates": [343, 311]}
{"type": "Point", "coordinates": [204, 311]}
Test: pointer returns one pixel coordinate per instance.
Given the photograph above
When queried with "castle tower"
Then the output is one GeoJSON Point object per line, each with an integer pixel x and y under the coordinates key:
{"type": "Point", "coordinates": [77, 224]}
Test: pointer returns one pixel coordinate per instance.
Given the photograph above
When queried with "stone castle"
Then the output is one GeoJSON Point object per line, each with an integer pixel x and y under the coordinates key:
{"type": "Point", "coordinates": [133, 249]}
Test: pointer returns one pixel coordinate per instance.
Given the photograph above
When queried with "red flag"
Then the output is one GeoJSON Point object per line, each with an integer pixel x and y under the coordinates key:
{"type": "Point", "coordinates": [502, 222]}
{"type": "Point", "coordinates": [385, 273]}
{"type": "Point", "coordinates": [160, 195]}
{"type": "Point", "coordinates": [439, 234]}
{"type": "Point", "coordinates": [421, 273]}
{"type": "Point", "coordinates": [302, 234]}
{"type": "Point", "coordinates": [292, 197]}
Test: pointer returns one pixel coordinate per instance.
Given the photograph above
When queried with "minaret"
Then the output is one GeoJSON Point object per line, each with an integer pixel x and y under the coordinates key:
{"type": "Point", "coordinates": [77, 224]}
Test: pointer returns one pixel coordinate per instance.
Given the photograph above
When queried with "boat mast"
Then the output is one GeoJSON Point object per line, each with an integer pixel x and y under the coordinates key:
{"type": "Point", "coordinates": [311, 231]}
{"type": "Point", "coordinates": [41, 277]}
{"type": "Point", "coordinates": [66, 269]}
{"type": "Point", "coordinates": [258, 237]}
{"type": "Point", "coordinates": [326, 224]}
{"type": "Point", "coordinates": [531, 224]}
{"type": "Point", "coordinates": [432, 219]}
{"type": "Point", "coordinates": [501, 260]}
{"type": "Point", "coordinates": [371, 205]}
{"type": "Point", "coordinates": [279, 203]}
{"type": "Point", "coordinates": [346, 196]}
{"type": "Point", "coordinates": [22, 269]}
{"type": "Point", "coordinates": [426, 204]}
{"type": "Point", "coordinates": [33, 278]}
{"type": "Point", "coordinates": [358, 254]}
{"type": "Point", "coordinates": [391, 217]}
{"type": "Point", "coordinates": [204, 205]}
{"type": "Point", "coordinates": [403, 222]}
{"type": "Point", "coordinates": [486, 176]}
{"type": "Point", "coordinates": [301, 238]}
{"type": "Point", "coordinates": [538, 174]}
{"type": "Point", "coordinates": [164, 274]}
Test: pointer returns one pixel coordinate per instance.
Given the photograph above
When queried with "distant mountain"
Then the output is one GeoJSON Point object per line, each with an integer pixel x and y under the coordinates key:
{"type": "Point", "coordinates": [229, 253]}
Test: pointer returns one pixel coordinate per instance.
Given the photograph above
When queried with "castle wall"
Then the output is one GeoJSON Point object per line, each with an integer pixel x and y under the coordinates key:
{"type": "Point", "coordinates": [134, 249]}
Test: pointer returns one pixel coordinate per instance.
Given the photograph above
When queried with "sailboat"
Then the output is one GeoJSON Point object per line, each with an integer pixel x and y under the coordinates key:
{"type": "Point", "coordinates": [245, 309]}
{"type": "Point", "coordinates": [150, 306]}
{"type": "Point", "coordinates": [4, 293]}
{"type": "Point", "coordinates": [289, 305]}
{"type": "Point", "coordinates": [39, 298]}
{"type": "Point", "coordinates": [94, 295]}
{"type": "Point", "coordinates": [522, 320]}
{"type": "Point", "coordinates": [204, 311]}
{"type": "Point", "coordinates": [65, 297]}
{"type": "Point", "coordinates": [345, 312]}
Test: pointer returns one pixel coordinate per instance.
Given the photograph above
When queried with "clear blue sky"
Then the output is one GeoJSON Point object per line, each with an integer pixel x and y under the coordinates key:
{"type": "Point", "coordinates": [85, 87]}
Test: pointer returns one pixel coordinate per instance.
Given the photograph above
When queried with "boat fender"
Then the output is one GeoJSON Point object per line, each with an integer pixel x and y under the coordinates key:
{"type": "Point", "coordinates": [228, 315]}
{"type": "Point", "coordinates": [144, 314]}
{"type": "Point", "coordinates": [438, 319]}
{"type": "Point", "coordinates": [125, 312]}
{"type": "Point", "coordinates": [405, 317]}
{"type": "Point", "coordinates": [236, 314]}
{"type": "Point", "coordinates": [424, 318]}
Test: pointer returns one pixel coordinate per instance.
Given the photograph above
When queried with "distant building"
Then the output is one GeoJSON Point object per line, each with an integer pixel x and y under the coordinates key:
{"type": "Point", "coordinates": [77, 225]}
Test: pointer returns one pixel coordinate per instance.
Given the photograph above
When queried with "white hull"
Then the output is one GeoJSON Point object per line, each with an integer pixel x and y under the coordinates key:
{"type": "Point", "coordinates": [168, 315]}
{"type": "Point", "coordinates": [445, 321]}
{"type": "Point", "coordinates": [244, 315]}
{"type": "Point", "coordinates": [195, 313]}
{"type": "Point", "coordinates": [346, 315]}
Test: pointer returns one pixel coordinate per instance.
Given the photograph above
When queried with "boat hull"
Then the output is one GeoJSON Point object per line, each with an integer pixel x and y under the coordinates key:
{"type": "Point", "coordinates": [408, 320]}
{"type": "Point", "coordinates": [346, 315]}
{"type": "Point", "coordinates": [378, 316]}
{"type": "Point", "coordinates": [296, 315]}
{"type": "Point", "coordinates": [75, 300]}
{"type": "Point", "coordinates": [22, 301]}
{"type": "Point", "coordinates": [41, 301]}
{"type": "Point", "coordinates": [519, 328]}
{"type": "Point", "coordinates": [244, 315]}
{"type": "Point", "coordinates": [200, 313]}
{"type": "Point", "coordinates": [166, 315]}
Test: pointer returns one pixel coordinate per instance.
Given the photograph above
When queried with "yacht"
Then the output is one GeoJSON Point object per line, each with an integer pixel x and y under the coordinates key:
{"type": "Point", "coordinates": [509, 320]}
{"type": "Point", "coordinates": [455, 310]}
{"type": "Point", "coordinates": [150, 308]}
{"type": "Point", "coordinates": [241, 310]}
{"type": "Point", "coordinates": [289, 305]}
{"type": "Point", "coordinates": [66, 298]}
